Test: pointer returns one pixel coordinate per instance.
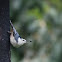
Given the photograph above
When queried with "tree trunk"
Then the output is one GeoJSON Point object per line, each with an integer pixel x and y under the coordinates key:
{"type": "Point", "coordinates": [4, 27]}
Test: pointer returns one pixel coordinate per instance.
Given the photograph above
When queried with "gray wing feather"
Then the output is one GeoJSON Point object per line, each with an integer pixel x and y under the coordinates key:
{"type": "Point", "coordinates": [16, 35]}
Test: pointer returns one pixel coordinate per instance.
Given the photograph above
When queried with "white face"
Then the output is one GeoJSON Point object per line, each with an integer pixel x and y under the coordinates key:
{"type": "Point", "coordinates": [21, 41]}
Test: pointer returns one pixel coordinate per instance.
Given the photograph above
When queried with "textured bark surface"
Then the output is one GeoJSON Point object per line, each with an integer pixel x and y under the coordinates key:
{"type": "Point", "coordinates": [4, 27]}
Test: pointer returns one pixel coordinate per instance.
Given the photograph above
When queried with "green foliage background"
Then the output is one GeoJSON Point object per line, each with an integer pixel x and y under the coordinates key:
{"type": "Point", "coordinates": [41, 22]}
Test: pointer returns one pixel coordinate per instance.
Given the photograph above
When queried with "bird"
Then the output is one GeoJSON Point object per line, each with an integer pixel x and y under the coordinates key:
{"type": "Point", "coordinates": [15, 39]}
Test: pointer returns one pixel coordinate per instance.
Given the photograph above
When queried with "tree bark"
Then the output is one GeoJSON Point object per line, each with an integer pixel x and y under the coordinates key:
{"type": "Point", "coordinates": [4, 27]}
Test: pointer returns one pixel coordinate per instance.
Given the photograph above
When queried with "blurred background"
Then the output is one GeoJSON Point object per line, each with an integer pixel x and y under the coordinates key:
{"type": "Point", "coordinates": [41, 22]}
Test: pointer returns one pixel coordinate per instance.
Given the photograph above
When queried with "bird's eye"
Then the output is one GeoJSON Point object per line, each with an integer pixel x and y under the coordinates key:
{"type": "Point", "coordinates": [23, 40]}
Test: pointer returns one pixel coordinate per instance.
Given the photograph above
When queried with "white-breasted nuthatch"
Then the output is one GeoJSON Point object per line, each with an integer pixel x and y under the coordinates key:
{"type": "Point", "coordinates": [15, 38]}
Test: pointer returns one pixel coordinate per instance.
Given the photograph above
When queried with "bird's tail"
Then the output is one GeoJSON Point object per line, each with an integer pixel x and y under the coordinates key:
{"type": "Point", "coordinates": [14, 30]}
{"type": "Point", "coordinates": [11, 24]}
